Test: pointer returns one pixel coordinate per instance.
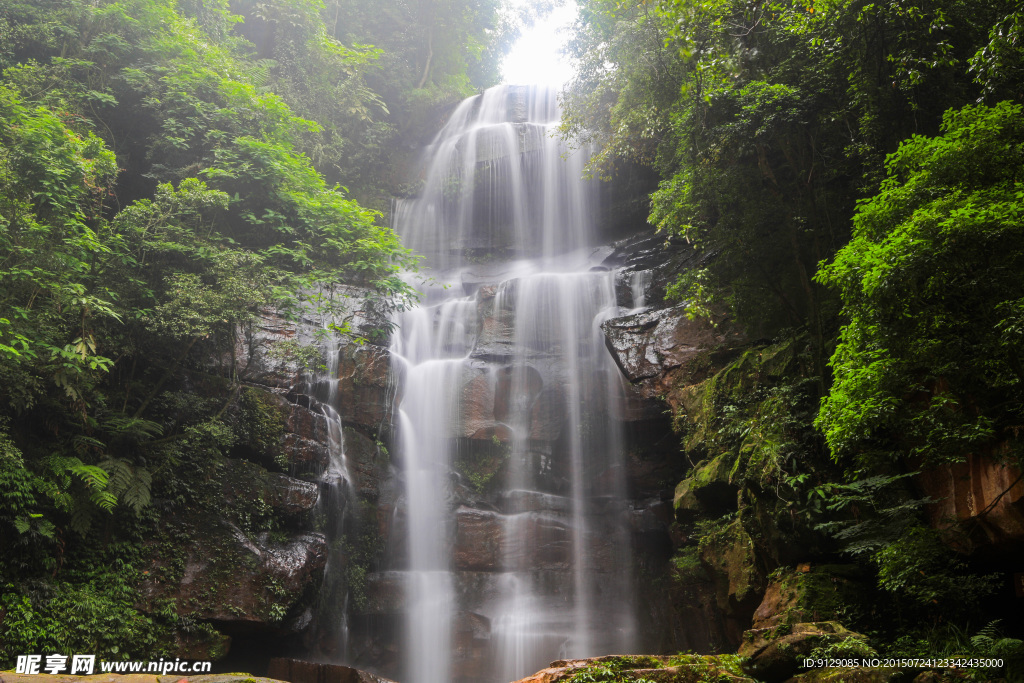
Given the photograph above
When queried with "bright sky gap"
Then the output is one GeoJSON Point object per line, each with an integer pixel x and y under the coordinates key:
{"type": "Point", "coordinates": [536, 58]}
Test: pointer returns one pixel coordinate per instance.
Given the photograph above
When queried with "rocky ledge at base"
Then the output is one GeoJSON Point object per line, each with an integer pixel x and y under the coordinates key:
{"type": "Point", "coordinates": [655, 669]}
{"type": "Point", "coordinates": [281, 670]}
{"type": "Point", "coordinates": [692, 668]}
{"type": "Point", "coordinates": [11, 677]}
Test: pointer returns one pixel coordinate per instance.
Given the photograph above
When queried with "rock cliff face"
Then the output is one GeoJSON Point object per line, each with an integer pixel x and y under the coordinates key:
{"type": "Point", "coordinates": [250, 559]}
{"type": "Point", "coordinates": [245, 580]}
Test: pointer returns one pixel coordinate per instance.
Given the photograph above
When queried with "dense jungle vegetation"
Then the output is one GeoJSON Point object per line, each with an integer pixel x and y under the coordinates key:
{"type": "Point", "coordinates": [851, 172]}
{"type": "Point", "coordinates": [167, 171]}
{"type": "Point", "coordinates": [852, 175]}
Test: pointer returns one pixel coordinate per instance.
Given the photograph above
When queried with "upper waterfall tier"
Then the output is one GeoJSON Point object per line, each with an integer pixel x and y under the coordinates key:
{"type": "Point", "coordinates": [497, 182]}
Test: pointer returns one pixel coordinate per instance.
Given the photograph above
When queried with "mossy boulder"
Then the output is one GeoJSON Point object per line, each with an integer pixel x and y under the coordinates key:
{"type": "Point", "coordinates": [697, 406]}
{"type": "Point", "coordinates": [850, 675]}
{"type": "Point", "coordinates": [215, 572]}
{"type": "Point", "coordinates": [809, 593]}
{"type": "Point", "coordinates": [709, 489]}
{"type": "Point", "coordinates": [775, 654]}
{"type": "Point", "coordinates": [730, 555]}
{"type": "Point", "coordinates": [655, 669]}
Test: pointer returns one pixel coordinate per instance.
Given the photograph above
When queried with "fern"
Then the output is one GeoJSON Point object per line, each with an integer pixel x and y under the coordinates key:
{"type": "Point", "coordinates": [131, 484]}
{"type": "Point", "coordinates": [989, 642]}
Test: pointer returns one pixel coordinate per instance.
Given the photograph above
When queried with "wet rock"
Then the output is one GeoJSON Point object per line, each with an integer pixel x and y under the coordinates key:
{"type": "Point", "coordinates": [305, 455]}
{"type": "Point", "coordinates": [366, 395]}
{"type": "Point", "coordinates": [519, 500]}
{"type": "Point", "coordinates": [489, 541]}
{"type": "Point", "coordinates": [368, 463]}
{"type": "Point", "coordinates": [304, 422]}
{"type": "Point", "coordinates": [774, 655]}
{"type": "Point", "coordinates": [235, 580]}
{"type": "Point", "coordinates": [301, 671]}
{"type": "Point", "coordinates": [471, 646]}
{"type": "Point", "coordinates": [646, 345]}
{"type": "Point", "coordinates": [385, 593]}
{"type": "Point", "coordinates": [657, 669]}
{"type": "Point", "coordinates": [492, 399]}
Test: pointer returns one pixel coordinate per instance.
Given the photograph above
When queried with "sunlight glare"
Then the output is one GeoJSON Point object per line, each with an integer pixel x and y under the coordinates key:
{"type": "Point", "coordinates": [536, 58]}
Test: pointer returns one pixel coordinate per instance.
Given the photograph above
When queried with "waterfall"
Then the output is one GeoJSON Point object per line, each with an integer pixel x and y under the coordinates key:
{"type": "Point", "coordinates": [517, 550]}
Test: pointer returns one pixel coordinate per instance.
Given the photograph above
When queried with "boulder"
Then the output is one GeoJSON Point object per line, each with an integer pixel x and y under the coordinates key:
{"type": "Point", "coordinates": [809, 593]}
{"type": "Point", "coordinates": [301, 671]}
{"type": "Point", "coordinates": [225, 576]}
{"type": "Point", "coordinates": [653, 348]}
{"type": "Point", "coordinates": [656, 669]}
{"type": "Point", "coordinates": [775, 654]}
{"type": "Point", "coordinates": [245, 482]}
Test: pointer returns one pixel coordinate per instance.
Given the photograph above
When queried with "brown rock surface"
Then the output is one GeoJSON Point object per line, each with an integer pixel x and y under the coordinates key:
{"type": "Point", "coordinates": [986, 494]}
{"type": "Point", "coordinates": [366, 393]}
{"type": "Point", "coordinates": [301, 671]}
{"type": "Point", "coordinates": [484, 539]}
{"type": "Point", "coordinates": [10, 677]}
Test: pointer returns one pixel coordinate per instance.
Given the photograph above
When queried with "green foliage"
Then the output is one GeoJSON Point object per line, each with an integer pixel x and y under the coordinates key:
{"type": "Point", "coordinates": [169, 171]}
{"type": "Point", "coordinates": [90, 611]}
{"type": "Point", "coordinates": [921, 569]}
{"type": "Point", "coordinates": [847, 648]}
{"type": "Point", "coordinates": [928, 365]}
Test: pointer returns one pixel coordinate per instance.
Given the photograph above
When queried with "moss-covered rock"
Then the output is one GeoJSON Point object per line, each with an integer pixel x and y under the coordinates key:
{"type": "Point", "coordinates": [656, 669]}
{"type": "Point", "coordinates": [809, 593]}
{"type": "Point", "coordinates": [697, 406]}
{"type": "Point", "coordinates": [850, 675]}
{"type": "Point", "coordinates": [775, 654]}
{"type": "Point", "coordinates": [218, 573]}
{"type": "Point", "coordinates": [709, 489]}
{"type": "Point", "coordinates": [729, 553]}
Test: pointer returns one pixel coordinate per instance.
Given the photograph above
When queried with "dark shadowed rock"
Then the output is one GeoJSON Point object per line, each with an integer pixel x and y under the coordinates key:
{"type": "Point", "coordinates": [775, 654]}
{"type": "Point", "coordinates": [301, 671]}
{"type": "Point", "coordinates": [982, 491]}
{"type": "Point", "coordinates": [245, 481]}
{"type": "Point", "coordinates": [233, 579]}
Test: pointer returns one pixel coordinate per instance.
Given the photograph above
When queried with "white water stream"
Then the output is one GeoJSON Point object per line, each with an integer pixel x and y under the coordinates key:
{"type": "Point", "coordinates": [505, 362]}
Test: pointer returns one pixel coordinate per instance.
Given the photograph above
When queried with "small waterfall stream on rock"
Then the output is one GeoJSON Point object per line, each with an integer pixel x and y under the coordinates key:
{"type": "Point", "coordinates": [517, 549]}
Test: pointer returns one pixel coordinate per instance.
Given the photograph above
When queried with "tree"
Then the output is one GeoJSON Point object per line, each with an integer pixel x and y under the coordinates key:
{"type": "Point", "coordinates": [929, 364]}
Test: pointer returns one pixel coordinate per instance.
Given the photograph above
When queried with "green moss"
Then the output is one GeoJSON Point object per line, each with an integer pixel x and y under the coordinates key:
{"type": "Point", "coordinates": [479, 461]}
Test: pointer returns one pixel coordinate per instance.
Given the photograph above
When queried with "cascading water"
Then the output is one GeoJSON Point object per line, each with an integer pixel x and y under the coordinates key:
{"type": "Point", "coordinates": [514, 500]}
